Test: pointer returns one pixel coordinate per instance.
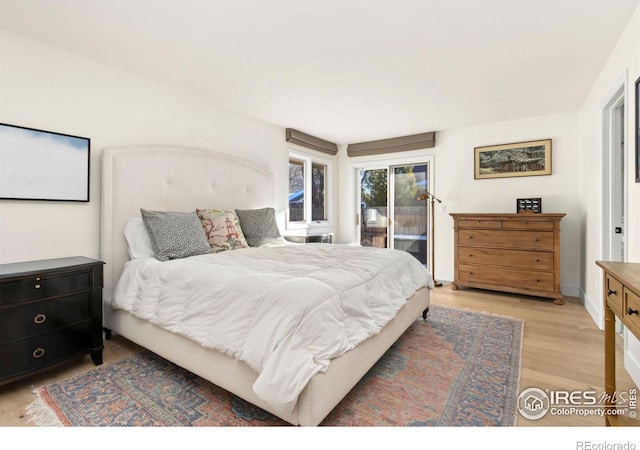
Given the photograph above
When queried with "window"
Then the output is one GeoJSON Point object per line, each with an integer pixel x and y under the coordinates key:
{"type": "Point", "coordinates": [296, 190]}
{"type": "Point", "coordinates": [318, 174]}
{"type": "Point", "coordinates": [308, 196]}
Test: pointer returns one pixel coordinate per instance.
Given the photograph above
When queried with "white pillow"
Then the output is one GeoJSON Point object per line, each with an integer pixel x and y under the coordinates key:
{"type": "Point", "coordinates": [137, 236]}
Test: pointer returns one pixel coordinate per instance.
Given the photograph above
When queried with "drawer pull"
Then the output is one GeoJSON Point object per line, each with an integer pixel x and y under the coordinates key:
{"type": "Point", "coordinates": [611, 292]}
{"type": "Point", "coordinates": [37, 286]}
{"type": "Point", "coordinates": [631, 312]}
{"type": "Point", "coordinates": [39, 318]}
{"type": "Point", "coordinates": [38, 353]}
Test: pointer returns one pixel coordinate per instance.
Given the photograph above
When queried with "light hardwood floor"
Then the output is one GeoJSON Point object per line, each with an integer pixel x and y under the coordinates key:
{"type": "Point", "coordinates": [562, 349]}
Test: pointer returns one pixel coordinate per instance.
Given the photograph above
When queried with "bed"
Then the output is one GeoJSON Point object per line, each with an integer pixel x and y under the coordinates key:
{"type": "Point", "coordinates": [177, 178]}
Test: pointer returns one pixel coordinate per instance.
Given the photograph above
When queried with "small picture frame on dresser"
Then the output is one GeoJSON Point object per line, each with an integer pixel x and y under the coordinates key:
{"type": "Point", "coordinates": [529, 205]}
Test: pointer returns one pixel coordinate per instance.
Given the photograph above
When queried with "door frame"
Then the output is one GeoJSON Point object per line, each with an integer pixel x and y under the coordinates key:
{"type": "Point", "coordinates": [612, 154]}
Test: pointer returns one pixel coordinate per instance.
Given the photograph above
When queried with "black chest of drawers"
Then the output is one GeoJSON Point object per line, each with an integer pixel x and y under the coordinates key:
{"type": "Point", "coordinates": [50, 310]}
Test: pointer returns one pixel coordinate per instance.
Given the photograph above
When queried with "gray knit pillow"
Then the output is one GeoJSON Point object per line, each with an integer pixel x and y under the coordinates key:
{"type": "Point", "coordinates": [259, 226]}
{"type": "Point", "coordinates": [175, 235]}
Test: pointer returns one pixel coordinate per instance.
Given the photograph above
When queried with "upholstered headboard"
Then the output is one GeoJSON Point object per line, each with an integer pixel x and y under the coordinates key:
{"type": "Point", "coordinates": [169, 178]}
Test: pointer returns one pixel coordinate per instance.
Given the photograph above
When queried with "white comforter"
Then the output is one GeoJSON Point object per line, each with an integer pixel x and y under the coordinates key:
{"type": "Point", "coordinates": [285, 310]}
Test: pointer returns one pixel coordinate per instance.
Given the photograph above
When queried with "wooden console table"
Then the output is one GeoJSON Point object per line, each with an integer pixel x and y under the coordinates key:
{"type": "Point", "coordinates": [621, 299]}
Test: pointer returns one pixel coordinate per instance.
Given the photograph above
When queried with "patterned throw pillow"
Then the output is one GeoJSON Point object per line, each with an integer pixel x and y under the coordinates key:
{"type": "Point", "coordinates": [222, 229]}
{"type": "Point", "coordinates": [259, 226]}
{"type": "Point", "coordinates": [175, 235]}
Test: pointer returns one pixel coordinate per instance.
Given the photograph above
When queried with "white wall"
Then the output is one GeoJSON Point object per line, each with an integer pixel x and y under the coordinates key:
{"type": "Point", "coordinates": [623, 65]}
{"type": "Point", "coordinates": [44, 88]}
{"type": "Point", "coordinates": [454, 183]}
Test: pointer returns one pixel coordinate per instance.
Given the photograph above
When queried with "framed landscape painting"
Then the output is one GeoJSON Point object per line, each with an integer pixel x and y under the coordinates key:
{"type": "Point", "coordinates": [520, 159]}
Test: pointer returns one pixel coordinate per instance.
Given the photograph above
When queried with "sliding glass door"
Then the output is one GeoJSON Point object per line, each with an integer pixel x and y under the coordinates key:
{"type": "Point", "coordinates": [374, 217]}
{"type": "Point", "coordinates": [390, 215]}
{"type": "Point", "coordinates": [410, 216]}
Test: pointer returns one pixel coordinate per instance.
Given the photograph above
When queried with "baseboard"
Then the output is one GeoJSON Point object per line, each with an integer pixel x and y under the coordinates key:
{"type": "Point", "coordinates": [570, 290]}
{"type": "Point", "coordinates": [444, 277]}
{"type": "Point", "coordinates": [593, 308]}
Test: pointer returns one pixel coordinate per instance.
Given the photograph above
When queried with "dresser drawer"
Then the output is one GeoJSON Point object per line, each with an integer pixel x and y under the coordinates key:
{"type": "Point", "coordinates": [506, 258]}
{"type": "Point", "coordinates": [525, 225]}
{"type": "Point", "coordinates": [21, 321]}
{"type": "Point", "coordinates": [519, 278]}
{"type": "Point", "coordinates": [469, 223]}
{"type": "Point", "coordinates": [33, 353]}
{"type": "Point", "coordinates": [516, 240]}
{"type": "Point", "coordinates": [45, 286]}
{"type": "Point", "coordinates": [613, 291]}
{"type": "Point", "coordinates": [632, 310]}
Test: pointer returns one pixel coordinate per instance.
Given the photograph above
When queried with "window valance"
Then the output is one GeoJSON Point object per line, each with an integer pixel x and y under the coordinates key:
{"type": "Point", "coordinates": [312, 142]}
{"type": "Point", "coordinates": [399, 144]}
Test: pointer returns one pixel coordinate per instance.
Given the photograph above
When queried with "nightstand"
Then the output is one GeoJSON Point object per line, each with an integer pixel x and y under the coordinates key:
{"type": "Point", "coordinates": [325, 238]}
{"type": "Point", "coordinates": [50, 311]}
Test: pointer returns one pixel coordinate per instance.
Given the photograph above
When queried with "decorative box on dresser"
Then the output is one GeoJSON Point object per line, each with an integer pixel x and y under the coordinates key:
{"type": "Point", "coordinates": [50, 311]}
{"type": "Point", "coordinates": [518, 253]}
{"type": "Point", "coordinates": [621, 299]}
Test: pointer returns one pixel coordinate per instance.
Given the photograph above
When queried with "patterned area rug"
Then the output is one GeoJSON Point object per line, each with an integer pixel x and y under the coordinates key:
{"type": "Point", "coordinates": [459, 368]}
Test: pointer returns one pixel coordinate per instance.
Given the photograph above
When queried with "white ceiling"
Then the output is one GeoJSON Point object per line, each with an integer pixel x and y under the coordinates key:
{"type": "Point", "coordinates": [346, 70]}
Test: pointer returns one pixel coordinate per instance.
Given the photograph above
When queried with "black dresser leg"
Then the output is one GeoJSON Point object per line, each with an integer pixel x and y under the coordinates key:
{"type": "Point", "coordinates": [96, 357]}
{"type": "Point", "coordinates": [424, 314]}
{"type": "Point", "coordinates": [107, 333]}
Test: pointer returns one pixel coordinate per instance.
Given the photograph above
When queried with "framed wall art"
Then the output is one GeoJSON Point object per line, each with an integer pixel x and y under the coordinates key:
{"type": "Point", "coordinates": [520, 159]}
{"type": "Point", "coordinates": [43, 165]}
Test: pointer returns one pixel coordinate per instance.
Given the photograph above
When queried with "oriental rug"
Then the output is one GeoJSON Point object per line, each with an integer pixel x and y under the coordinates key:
{"type": "Point", "coordinates": [457, 368]}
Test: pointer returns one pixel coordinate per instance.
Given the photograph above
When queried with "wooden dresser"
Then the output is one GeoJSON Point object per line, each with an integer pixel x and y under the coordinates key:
{"type": "Point", "coordinates": [517, 253]}
{"type": "Point", "coordinates": [50, 311]}
{"type": "Point", "coordinates": [621, 299]}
